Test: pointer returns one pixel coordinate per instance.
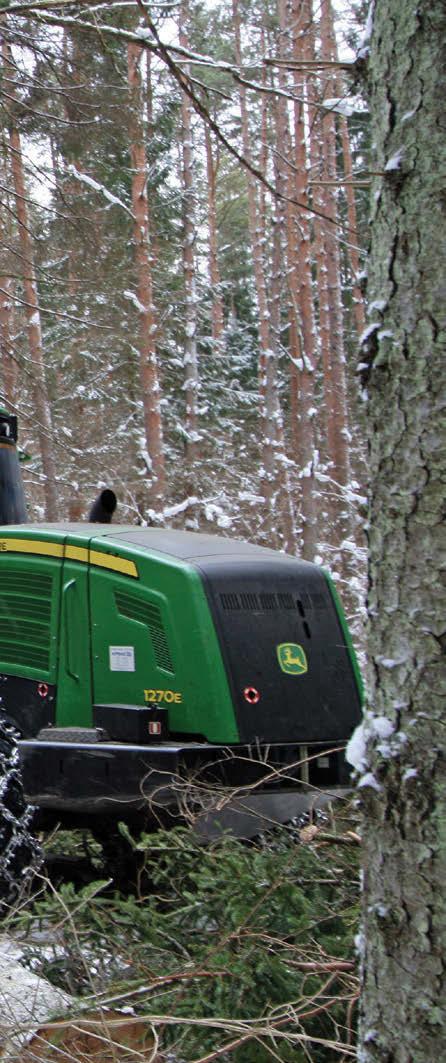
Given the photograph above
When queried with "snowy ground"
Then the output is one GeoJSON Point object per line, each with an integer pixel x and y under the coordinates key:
{"type": "Point", "coordinates": [26, 1000]}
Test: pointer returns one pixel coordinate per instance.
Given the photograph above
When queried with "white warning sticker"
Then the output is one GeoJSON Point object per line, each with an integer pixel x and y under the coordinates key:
{"type": "Point", "coordinates": [122, 658]}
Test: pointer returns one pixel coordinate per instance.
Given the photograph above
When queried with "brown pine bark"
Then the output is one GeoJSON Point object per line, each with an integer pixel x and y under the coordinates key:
{"type": "Point", "coordinates": [8, 375]}
{"type": "Point", "coordinates": [301, 324]}
{"type": "Point", "coordinates": [190, 360]}
{"type": "Point", "coordinates": [282, 500]}
{"type": "Point", "coordinates": [335, 436]}
{"type": "Point", "coordinates": [316, 163]}
{"type": "Point", "coordinates": [305, 368]}
{"type": "Point", "coordinates": [149, 374]}
{"type": "Point", "coordinates": [352, 234]}
{"type": "Point", "coordinates": [270, 413]}
{"type": "Point", "coordinates": [285, 495]}
{"type": "Point", "coordinates": [32, 311]}
{"type": "Point", "coordinates": [334, 368]}
{"type": "Point", "coordinates": [217, 313]}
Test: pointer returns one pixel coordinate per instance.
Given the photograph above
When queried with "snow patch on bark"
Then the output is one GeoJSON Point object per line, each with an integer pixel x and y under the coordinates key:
{"type": "Point", "coordinates": [364, 44]}
{"type": "Point", "coordinates": [356, 751]}
{"type": "Point", "coordinates": [132, 298]}
{"type": "Point", "coordinates": [368, 780]}
{"type": "Point", "coordinates": [373, 327]}
{"type": "Point", "coordinates": [395, 161]}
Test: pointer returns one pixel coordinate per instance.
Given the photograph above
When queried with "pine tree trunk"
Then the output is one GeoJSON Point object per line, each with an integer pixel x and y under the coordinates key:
{"type": "Point", "coordinates": [150, 385]}
{"type": "Point", "coordinates": [270, 412]}
{"type": "Point", "coordinates": [8, 366]}
{"type": "Point", "coordinates": [214, 270]}
{"type": "Point", "coordinates": [404, 788]}
{"type": "Point", "coordinates": [334, 368]}
{"type": "Point", "coordinates": [191, 378]}
{"type": "Point", "coordinates": [307, 366]}
{"type": "Point", "coordinates": [285, 494]}
{"type": "Point", "coordinates": [8, 377]}
{"type": "Point", "coordinates": [352, 233]}
{"type": "Point", "coordinates": [32, 313]}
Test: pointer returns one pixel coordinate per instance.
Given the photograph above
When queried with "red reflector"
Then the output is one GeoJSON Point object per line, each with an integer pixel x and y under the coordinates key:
{"type": "Point", "coordinates": [251, 695]}
{"type": "Point", "coordinates": [154, 727]}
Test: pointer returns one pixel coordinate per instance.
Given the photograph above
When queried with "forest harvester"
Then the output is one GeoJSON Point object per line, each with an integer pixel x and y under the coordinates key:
{"type": "Point", "coordinates": [138, 665]}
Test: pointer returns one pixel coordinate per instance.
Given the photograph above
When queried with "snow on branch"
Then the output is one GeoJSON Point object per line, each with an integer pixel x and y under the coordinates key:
{"type": "Point", "coordinates": [84, 179]}
{"type": "Point", "coordinates": [345, 105]}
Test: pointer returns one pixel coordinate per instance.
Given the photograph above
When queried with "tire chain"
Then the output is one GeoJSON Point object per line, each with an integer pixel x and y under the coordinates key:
{"type": "Point", "coordinates": [20, 853]}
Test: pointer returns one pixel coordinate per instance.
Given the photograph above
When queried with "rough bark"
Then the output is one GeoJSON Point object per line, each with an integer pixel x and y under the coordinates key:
{"type": "Point", "coordinates": [404, 786]}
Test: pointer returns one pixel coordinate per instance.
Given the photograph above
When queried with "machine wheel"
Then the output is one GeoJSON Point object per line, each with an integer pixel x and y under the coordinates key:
{"type": "Point", "coordinates": [20, 853]}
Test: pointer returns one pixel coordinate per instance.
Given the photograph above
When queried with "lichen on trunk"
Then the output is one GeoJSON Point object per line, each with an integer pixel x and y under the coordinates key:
{"type": "Point", "coordinates": [403, 943]}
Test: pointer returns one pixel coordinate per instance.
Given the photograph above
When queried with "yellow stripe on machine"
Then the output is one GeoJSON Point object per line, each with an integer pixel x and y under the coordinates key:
{"type": "Point", "coordinates": [117, 564]}
{"type": "Point", "coordinates": [32, 546]}
{"type": "Point", "coordinates": [76, 553]}
{"type": "Point", "coordinates": [44, 548]}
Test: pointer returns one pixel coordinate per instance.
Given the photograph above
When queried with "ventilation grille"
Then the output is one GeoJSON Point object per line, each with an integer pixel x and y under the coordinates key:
{"type": "Point", "coordinates": [25, 619]}
{"type": "Point", "coordinates": [149, 614]}
{"type": "Point", "coordinates": [267, 602]}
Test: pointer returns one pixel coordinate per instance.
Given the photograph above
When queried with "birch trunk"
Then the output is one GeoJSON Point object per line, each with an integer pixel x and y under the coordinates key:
{"type": "Point", "coordinates": [404, 788]}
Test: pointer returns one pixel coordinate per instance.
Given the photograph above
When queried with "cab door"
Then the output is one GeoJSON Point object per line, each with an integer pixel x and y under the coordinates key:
{"type": "Point", "coordinates": [74, 702]}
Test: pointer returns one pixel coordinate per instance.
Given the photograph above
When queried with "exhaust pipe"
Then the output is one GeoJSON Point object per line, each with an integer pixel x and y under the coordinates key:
{"type": "Point", "coordinates": [12, 495]}
{"type": "Point", "coordinates": [103, 508]}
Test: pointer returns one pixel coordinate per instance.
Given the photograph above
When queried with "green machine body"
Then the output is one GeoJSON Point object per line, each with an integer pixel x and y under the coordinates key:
{"type": "Point", "coordinates": [133, 657]}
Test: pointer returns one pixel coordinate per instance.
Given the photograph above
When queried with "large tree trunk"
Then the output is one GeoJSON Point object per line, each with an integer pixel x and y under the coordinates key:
{"type": "Point", "coordinates": [404, 775]}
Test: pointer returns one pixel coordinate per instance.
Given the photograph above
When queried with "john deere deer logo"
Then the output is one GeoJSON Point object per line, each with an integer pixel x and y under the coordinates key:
{"type": "Point", "coordinates": [292, 658]}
